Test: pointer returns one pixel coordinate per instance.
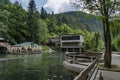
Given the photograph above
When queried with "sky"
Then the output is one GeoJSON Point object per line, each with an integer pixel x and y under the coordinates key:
{"type": "Point", "coordinates": [58, 6]}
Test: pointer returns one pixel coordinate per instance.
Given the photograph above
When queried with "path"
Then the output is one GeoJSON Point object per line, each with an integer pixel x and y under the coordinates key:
{"type": "Point", "coordinates": [116, 59]}
{"type": "Point", "coordinates": [110, 75]}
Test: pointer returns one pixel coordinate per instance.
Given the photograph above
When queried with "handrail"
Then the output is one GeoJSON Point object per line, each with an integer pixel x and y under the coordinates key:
{"type": "Point", "coordinates": [84, 74]}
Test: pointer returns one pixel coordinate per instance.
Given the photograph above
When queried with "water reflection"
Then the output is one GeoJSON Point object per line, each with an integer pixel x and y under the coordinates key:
{"type": "Point", "coordinates": [34, 67]}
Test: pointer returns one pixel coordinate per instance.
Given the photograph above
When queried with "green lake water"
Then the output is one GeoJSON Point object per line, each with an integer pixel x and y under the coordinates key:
{"type": "Point", "coordinates": [44, 66]}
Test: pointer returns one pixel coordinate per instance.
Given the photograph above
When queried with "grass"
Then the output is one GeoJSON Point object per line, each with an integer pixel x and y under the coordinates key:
{"type": "Point", "coordinates": [113, 67]}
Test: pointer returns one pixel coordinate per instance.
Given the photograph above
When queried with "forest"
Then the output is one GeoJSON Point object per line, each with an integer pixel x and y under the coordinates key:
{"type": "Point", "coordinates": [19, 25]}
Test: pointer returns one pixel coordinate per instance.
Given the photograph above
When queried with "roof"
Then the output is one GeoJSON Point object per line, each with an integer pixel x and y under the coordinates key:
{"type": "Point", "coordinates": [27, 43]}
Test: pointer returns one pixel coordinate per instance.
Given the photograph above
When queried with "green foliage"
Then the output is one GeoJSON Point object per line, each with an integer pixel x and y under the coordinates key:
{"type": "Point", "coordinates": [115, 32]}
{"type": "Point", "coordinates": [3, 2]}
{"type": "Point", "coordinates": [46, 48]}
{"type": "Point", "coordinates": [32, 21]}
{"type": "Point", "coordinates": [115, 28]}
{"type": "Point", "coordinates": [19, 25]}
{"type": "Point", "coordinates": [88, 43]}
{"type": "Point", "coordinates": [43, 14]}
{"type": "Point", "coordinates": [43, 34]}
{"type": "Point", "coordinates": [51, 25]}
{"type": "Point", "coordinates": [64, 29]}
{"type": "Point", "coordinates": [13, 15]}
{"type": "Point", "coordinates": [106, 8]}
{"type": "Point", "coordinates": [3, 29]}
{"type": "Point", "coordinates": [92, 42]}
{"type": "Point", "coordinates": [113, 66]}
{"type": "Point", "coordinates": [116, 43]}
{"type": "Point", "coordinates": [79, 20]}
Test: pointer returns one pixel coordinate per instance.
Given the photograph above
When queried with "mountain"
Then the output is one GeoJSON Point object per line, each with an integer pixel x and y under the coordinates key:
{"type": "Point", "coordinates": [77, 19]}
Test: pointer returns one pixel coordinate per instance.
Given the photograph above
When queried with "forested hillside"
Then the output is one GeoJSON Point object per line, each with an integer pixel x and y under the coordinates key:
{"type": "Point", "coordinates": [77, 19]}
{"type": "Point", "coordinates": [19, 25]}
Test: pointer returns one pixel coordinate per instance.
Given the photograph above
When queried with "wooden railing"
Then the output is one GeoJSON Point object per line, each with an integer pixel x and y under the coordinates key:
{"type": "Point", "coordinates": [90, 72]}
{"type": "Point", "coordinates": [75, 57]}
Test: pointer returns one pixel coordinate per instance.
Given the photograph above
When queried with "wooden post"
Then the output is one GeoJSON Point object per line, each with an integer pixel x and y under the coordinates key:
{"type": "Point", "coordinates": [91, 58]}
{"type": "Point", "coordinates": [74, 58]}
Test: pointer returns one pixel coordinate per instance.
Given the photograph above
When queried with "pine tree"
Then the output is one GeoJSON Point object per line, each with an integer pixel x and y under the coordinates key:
{"type": "Point", "coordinates": [53, 17]}
{"type": "Point", "coordinates": [43, 14]}
{"type": "Point", "coordinates": [32, 20]}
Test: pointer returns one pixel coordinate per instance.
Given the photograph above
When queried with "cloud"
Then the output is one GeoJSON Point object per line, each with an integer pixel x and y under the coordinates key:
{"type": "Point", "coordinates": [25, 1]}
{"type": "Point", "coordinates": [58, 6]}
{"type": "Point", "coordinates": [21, 1]}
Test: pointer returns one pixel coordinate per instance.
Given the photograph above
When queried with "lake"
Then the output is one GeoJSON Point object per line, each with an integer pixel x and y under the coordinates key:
{"type": "Point", "coordinates": [44, 66]}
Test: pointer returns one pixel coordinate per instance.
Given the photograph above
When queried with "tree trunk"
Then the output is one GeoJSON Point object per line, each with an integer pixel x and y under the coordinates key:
{"type": "Point", "coordinates": [107, 36]}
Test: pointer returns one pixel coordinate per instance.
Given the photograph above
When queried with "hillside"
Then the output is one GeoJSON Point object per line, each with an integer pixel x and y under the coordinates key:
{"type": "Point", "coordinates": [80, 20]}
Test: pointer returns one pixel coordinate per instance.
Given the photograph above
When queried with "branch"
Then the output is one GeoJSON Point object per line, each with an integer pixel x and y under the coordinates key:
{"type": "Point", "coordinates": [100, 9]}
{"type": "Point", "coordinates": [112, 7]}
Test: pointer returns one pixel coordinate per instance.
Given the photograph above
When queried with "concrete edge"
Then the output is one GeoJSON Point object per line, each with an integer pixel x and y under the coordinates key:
{"type": "Point", "coordinates": [114, 70]}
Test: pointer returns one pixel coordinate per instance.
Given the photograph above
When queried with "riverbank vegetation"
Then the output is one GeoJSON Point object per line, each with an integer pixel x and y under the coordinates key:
{"type": "Point", "coordinates": [19, 25]}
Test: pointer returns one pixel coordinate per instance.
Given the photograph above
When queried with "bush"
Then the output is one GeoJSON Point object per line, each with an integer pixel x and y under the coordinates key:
{"type": "Point", "coordinates": [46, 48]}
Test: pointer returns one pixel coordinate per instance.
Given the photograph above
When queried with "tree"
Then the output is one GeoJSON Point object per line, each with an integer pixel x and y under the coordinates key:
{"type": "Point", "coordinates": [64, 29]}
{"type": "Point", "coordinates": [105, 8]}
{"type": "Point", "coordinates": [18, 23]}
{"type": "Point", "coordinates": [53, 17]}
{"type": "Point", "coordinates": [43, 14]}
{"type": "Point", "coordinates": [115, 28]}
{"type": "Point", "coordinates": [96, 37]}
{"type": "Point", "coordinates": [32, 20]}
{"type": "Point", "coordinates": [51, 25]}
{"type": "Point", "coordinates": [115, 31]}
{"type": "Point", "coordinates": [3, 2]}
{"type": "Point", "coordinates": [42, 32]}
{"type": "Point", "coordinates": [4, 14]}
{"type": "Point", "coordinates": [3, 30]}
{"type": "Point", "coordinates": [15, 17]}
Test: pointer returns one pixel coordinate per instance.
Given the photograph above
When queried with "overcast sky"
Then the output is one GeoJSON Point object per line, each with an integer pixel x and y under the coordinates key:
{"type": "Point", "coordinates": [58, 6]}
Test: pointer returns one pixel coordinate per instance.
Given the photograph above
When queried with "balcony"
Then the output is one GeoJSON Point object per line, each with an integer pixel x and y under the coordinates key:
{"type": "Point", "coordinates": [71, 41]}
{"type": "Point", "coordinates": [71, 46]}
{"type": "Point", "coordinates": [69, 38]}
